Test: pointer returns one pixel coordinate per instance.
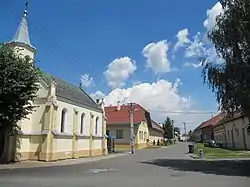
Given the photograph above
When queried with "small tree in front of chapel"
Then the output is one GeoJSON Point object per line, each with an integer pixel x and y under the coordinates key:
{"type": "Point", "coordinates": [18, 86]}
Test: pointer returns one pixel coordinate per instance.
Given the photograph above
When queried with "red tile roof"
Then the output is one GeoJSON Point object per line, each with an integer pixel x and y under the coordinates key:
{"type": "Point", "coordinates": [122, 116]}
{"type": "Point", "coordinates": [212, 121]}
{"type": "Point", "coordinates": [156, 126]}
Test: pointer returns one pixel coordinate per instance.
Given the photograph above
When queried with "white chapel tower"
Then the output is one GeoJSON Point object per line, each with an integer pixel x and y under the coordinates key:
{"type": "Point", "coordinates": [21, 41]}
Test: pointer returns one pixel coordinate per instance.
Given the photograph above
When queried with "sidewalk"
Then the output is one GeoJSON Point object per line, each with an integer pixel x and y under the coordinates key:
{"type": "Point", "coordinates": [35, 164]}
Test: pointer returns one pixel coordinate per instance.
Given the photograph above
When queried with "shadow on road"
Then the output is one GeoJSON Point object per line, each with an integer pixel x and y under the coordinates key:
{"type": "Point", "coordinates": [222, 167]}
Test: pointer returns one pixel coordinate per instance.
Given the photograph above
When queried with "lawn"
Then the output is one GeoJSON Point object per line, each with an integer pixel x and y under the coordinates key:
{"type": "Point", "coordinates": [213, 153]}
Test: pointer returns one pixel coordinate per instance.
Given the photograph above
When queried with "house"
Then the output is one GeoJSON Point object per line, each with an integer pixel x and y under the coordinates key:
{"type": "Point", "coordinates": [155, 132]}
{"type": "Point", "coordinates": [197, 134]}
{"type": "Point", "coordinates": [205, 130]}
{"type": "Point", "coordinates": [118, 126]}
{"type": "Point", "coordinates": [233, 132]}
{"type": "Point", "coordinates": [66, 124]}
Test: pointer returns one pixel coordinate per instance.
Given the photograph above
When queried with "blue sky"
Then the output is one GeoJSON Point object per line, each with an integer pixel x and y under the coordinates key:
{"type": "Point", "coordinates": [74, 38]}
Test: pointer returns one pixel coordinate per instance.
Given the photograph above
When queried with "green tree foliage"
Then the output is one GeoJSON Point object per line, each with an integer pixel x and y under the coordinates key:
{"type": "Point", "coordinates": [177, 130]}
{"type": "Point", "coordinates": [230, 81]}
{"type": "Point", "coordinates": [190, 132]}
{"type": "Point", "coordinates": [18, 86]}
{"type": "Point", "coordinates": [168, 128]}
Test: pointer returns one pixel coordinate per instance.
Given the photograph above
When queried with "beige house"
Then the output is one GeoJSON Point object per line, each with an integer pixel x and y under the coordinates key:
{"type": "Point", "coordinates": [66, 124]}
{"type": "Point", "coordinates": [233, 132]}
{"type": "Point", "coordinates": [118, 126]}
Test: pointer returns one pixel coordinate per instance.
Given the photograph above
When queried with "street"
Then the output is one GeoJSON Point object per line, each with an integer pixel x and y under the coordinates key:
{"type": "Point", "coordinates": [169, 166]}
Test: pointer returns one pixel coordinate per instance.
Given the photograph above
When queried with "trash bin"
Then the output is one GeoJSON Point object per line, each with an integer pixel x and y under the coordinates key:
{"type": "Point", "coordinates": [190, 148]}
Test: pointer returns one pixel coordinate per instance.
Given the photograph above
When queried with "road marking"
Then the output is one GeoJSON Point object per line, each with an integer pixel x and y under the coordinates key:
{"type": "Point", "coordinates": [101, 170]}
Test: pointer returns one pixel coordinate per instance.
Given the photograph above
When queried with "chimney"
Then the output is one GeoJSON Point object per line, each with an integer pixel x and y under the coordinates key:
{"type": "Point", "coordinates": [97, 101]}
{"type": "Point", "coordinates": [118, 106]}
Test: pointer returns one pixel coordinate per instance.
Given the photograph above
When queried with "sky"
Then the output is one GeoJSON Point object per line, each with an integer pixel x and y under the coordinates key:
{"type": "Point", "coordinates": [130, 51]}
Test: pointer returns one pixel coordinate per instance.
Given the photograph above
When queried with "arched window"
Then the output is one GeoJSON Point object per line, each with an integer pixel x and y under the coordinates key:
{"type": "Point", "coordinates": [82, 123]}
{"type": "Point", "coordinates": [96, 125]}
{"type": "Point", "coordinates": [63, 119]}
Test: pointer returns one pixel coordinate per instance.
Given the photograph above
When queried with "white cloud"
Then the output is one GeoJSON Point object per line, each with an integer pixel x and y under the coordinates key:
{"type": "Point", "coordinates": [182, 37]}
{"type": "Point", "coordinates": [212, 13]}
{"type": "Point", "coordinates": [119, 70]}
{"type": "Point", "coordinates": [157, 58]}
{"type": "Point", "coordinates": [158, 97]}
{"type": "Point", "coordinates": [194, 65]}
{"type": "Point", "coordinates": [97, 95]}
{"type": "Point", "coordinates": [86, 80]}
{"type": "Point", "coordinates": [196, 47]}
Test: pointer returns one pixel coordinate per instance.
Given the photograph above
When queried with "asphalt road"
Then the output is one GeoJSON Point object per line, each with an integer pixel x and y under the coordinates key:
{"type": "Point", "coordinates": [148, 168]}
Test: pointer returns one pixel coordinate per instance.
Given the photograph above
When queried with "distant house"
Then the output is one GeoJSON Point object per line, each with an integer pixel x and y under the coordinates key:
{"type": "Point", "coordinates": [205, 130]}
{"type": "Point", "coordinates": [118, 126]}
{"type": "Point", "coordinates": [233, 132]}
{"type": "Point", "coordinates": [155, 132]}
{"type": "Point", "coordinates": [197, 134]}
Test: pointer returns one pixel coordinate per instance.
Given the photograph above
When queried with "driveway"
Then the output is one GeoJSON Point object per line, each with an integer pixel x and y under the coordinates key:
{"type": "Point", "coordinates": [148, 168]}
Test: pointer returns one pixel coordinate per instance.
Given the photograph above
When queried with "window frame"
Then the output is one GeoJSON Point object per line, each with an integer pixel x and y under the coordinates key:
{"type": "Point", "coordinates": [64, 113]}
{"type": "Point", "coordinates": [119, 134]}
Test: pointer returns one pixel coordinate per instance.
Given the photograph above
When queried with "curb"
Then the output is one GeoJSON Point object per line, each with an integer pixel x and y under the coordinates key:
{"type": "Point", "coordinates": [39, 164]}
{"type": "Point", "coordinates": [193, 156]}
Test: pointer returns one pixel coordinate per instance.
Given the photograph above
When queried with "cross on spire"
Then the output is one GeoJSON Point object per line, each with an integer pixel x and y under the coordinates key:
{"type": "Point", "coordinates": [26, 9]}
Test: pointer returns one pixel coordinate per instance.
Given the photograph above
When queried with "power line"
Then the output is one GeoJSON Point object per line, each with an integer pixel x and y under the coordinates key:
{"type": "Point", "coordinates": [181, 112]}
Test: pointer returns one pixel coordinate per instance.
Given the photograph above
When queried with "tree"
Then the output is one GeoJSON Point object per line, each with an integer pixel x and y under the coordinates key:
{"type": "Point", "coordinates": [190, 132]}
{"type": "Point", "coordinates": [168, 128]}
{"type": "Point", "coordinates": [177, 130]}
{"type": "Point", "coordinates": [18, 86]}
{"type": "Point", "coordinates": [231, 38]}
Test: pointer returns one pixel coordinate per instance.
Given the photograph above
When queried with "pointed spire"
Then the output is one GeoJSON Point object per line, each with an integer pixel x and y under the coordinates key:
{"type": "Point", "coordinates": [22, 33]}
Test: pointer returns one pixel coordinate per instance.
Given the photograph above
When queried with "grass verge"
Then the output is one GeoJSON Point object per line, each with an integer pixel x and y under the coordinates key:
{"type": "Point", "coordinates": [215, 153]}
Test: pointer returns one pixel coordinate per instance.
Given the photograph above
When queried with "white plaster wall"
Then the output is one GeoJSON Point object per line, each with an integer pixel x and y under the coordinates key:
{"type": "Point", "coordinates": [35, 119]}
{"type": "Point", "coordinates": [155, 135]}
{"type": "Point", "coordinates": [197, 135]}
{"type": "Point", "coordinates": [143, 127]}
{"type": "Point", "coordinates": [99, 125]}
{"type": "Point", "coordinates": [24, 143]}
{"type": "Point", "coordinates": [86, 124]}
{"type": "Point", "coordinates": [36, 143]}
{"type": "Point", "coordinates": [83, 144]}
{"type": "Point", "coordinates": [219, 135]}
{"type": "Point", "coordinates": [97, 144]}
{"type": "Point", "coordinates": [42, 92]}
{"type": "Point", "coordinates": [23, 51]}
{"type": "Point", "coordinates": [70, 118]}
{"type": "Point", "coordinates": [237, 133]}
{"type": "Point", "coordinates": [126, 133]}
{"type": "Point", "coordinates": [63, 144]}
{"type": "Point", "coordinates": [38, 118]}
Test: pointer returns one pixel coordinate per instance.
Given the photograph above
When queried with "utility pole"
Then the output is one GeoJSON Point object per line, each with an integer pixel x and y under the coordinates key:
{"type": "Point", "coordinates": [173, 134]}
{"type": "Point", "coordinates": [185, 128]}
{"type": "Point", "coordinates": [185, 131]}
{"type": "Point", "coordinates": [131, 115]}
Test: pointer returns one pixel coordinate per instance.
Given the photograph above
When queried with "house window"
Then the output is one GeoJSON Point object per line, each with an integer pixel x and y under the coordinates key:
{"type": "Point", "coordinates": [82, 123]}
{"type": "Point", "coordinates": [145, 136]}
{"type": "Point", "coordinates": [63, 119]}
{"type": "Point", "coordinates": [119, 134]}
{"type": "Point", "coordinates": [96, 125]}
